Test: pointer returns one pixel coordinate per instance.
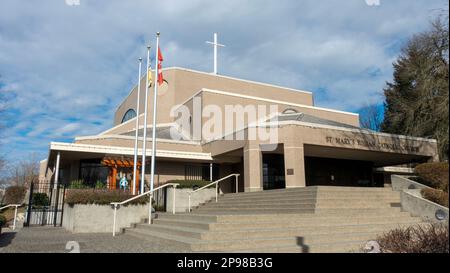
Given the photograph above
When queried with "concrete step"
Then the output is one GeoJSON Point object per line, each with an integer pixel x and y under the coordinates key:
{"type": "Point", "coordinates": [258, 206]}
{"type": "Point", "coordinates": [322, 188]}
{"type": "Point", "coordinates": [247, 245]}
{"type": "Point", "coordinates": [305, 199]}
{"type": "Point", "coordinates": [340, 247]}
{"type": "Point", "coordinates": [187, 217]}
{"type": "Point", "coordinates": [388, 211]}
{"type": "Point", "coordinates": [313, 219]}
{"type": "Point", "coordinates": [262, 243]}
{"type": "Point", "coordinates": [249, 211]}
{"type": "Point", "coordinates": [391, 211]}
{"type": "Point", "coordinates": [328, 202]}
{"type": "Point", "coordinates": [286, 223]}
{"type": "Point", "coordinates": [313, 190]}
{"type": "Point", "coordinates": [335, 195]}
{"type": "Point", "coordinates": [249, 218]}
{"type": "Point", "coordinates": [271, 232]}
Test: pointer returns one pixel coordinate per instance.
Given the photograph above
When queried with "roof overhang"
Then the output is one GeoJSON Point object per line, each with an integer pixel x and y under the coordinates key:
{"type": "Point", "coordinates": [101, 151]}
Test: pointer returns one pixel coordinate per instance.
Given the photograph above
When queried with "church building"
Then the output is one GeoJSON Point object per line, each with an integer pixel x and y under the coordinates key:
{"type": "Point", "coordinates": [210, 126]}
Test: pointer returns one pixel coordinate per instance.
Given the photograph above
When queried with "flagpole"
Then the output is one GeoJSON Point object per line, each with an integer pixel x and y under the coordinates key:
{"type": "Point", "coordinates": [137, 128]}
{"type": "Point", "coordinates": [145, 122]}
{"type": "Point", "coordinates": [155, 96]}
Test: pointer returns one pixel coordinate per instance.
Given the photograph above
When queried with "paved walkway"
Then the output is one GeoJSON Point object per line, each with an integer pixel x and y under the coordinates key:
{"type": "Point", "coordinates": [51, 239]}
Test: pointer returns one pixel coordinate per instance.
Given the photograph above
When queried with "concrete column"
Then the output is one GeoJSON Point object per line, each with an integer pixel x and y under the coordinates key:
{"type": "Point", "coordinates": [294, 162]}
{"type": "Point", "coordinates": [211, 172]}
{"type": "Point", "coordinates": [58, 156]}
{"type": "Point", "coordinates": [252, 168]}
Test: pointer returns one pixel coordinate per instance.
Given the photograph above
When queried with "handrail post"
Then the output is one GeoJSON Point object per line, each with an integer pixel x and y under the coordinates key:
{"type": "Point", "coordinates": [217, 187]}
{"type": "Point", "coordinates": [173, 205]}
{"type": "Point", "coordinates": [237, 183]}
{"type": "Point", "coordinates": [142, 195]}
{"type": "Point", "coordinates": [15, 217]}
{"type": "Point", "coordinates": [114, 221]}
{"type": "Point", "coordinates": [189, 204]}
{"type": "Point", "coordinates": [150, 208]}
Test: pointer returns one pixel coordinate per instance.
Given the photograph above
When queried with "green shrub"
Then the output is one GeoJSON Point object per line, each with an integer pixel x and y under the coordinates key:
{"type": "Point", "coordinates": [100, 185]}
{"type": "Point", "coordinates": [2, 221]}
{"type": "Point", "coordinates": [189, 184]}
{"type": "Point", "coordinates": [14, 195]}
{"type": "Point", "coordinates": [100, 197]}
{"type": "Point", "coordinates": [78, 184]}
{"type": "Point", "coordinates": [437, 196]}
{"type": "Point", "coordinates": [40, 199]}
{"type": "Point", "coordinates": [430, 238]}
{"type": "Point", "coordinates": [436, 174]}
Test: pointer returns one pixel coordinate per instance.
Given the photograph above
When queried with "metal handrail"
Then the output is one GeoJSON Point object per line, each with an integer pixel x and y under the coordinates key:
{"type": "Point", "coordinates": [216, 183]}
{"type": "Point", "coordinates": [15, 213]}
{"type": "Point", "coordinates": [118, 204]}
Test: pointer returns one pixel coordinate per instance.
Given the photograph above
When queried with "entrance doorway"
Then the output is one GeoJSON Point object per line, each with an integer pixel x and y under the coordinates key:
{"type": "Point", "coordinates": [339, 172]}
{"type": "Point", "coordinates": [273, 172]}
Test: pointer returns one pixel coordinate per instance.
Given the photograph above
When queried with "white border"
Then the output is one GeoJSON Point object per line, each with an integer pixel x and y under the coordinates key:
{"type": "Point", "coordinates": [102, 137]}
{"type": "Point", "coordinates": [72, 147]}
{"type": "Point", "coordinates": [276, 101]}
{"type": "Point", "coordinates": [320, 126]}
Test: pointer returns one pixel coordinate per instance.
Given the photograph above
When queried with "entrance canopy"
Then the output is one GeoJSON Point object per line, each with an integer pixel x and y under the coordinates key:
{"type": "Point", "coordinates": [379, 158]}
{"type": "Point", "coordinates": [72, 152]}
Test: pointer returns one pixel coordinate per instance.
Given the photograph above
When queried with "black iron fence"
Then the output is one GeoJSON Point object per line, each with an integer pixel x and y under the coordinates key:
{"type": "Point", "coordinates": [45, 204]}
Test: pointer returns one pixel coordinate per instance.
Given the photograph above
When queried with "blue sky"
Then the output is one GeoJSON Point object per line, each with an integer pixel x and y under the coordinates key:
{"type": "Point", "coordinates": [65, 68]}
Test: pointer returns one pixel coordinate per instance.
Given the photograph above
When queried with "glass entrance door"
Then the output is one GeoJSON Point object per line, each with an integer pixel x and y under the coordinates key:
{"type": "Point", "coordinates": [273, 172]}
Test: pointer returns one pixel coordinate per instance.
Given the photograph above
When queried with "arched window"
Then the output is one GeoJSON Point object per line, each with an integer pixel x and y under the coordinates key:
{"type": "Point", "coordinates": [130, 114]}
{"type": "Point", "coordinates": [290, 111]}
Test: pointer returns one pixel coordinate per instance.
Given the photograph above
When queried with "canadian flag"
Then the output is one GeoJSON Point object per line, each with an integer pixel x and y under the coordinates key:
{"type": "Point", "coordinates": [160, 60]}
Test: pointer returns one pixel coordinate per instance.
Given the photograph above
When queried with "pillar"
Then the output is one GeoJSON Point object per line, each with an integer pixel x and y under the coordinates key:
{"type": "Point", "coordinates": [137, 181]}
{"type": "Point", "coordinates": [55, 184]}
{"type": "Point", "coordinates": [252, 168]}
{"type": "Point", "coordinates": [294, 164]}
{"type": "Point", "coordinates": [114, 178]}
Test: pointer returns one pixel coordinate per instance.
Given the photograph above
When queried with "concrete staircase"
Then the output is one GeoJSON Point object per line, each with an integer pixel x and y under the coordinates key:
{"type": "Point", "coordinates": [312, 219]}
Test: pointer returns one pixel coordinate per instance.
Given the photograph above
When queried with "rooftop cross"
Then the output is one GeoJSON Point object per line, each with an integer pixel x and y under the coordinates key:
{"type": "Point", "coordinates": [215, 44]}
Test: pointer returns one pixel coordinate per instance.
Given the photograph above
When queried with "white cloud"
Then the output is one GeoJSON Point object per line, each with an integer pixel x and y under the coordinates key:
{"type": "Point", "coordinates": [70, 66]}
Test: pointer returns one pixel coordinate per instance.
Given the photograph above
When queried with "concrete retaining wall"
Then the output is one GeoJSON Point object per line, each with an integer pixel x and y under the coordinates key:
{"type": "Point", "coordinates": [99, 218]}
{"type": "Point", "coordinates": [413, 203]}
{"type": "Point", "coordinates": [400, 183]}
{"type": "Point", "coordinates": [182, 198]}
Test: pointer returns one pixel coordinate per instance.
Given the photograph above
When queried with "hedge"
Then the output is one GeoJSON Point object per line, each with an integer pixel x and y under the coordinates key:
{"type": "Point", "coordinates": [435, 174]}
{"type": "Point", "coordinates": [430, 238]}
{"type": "Point", "coordinates": [437, 196]}
{"type": "Point", "coordinates": [101, 197]}
{"type": "Point", "coordinates": [40, 199]}
{"type": "Point", "coordinates": [14, 195]}
{"type": "Point", "coordinates": [186, 184]}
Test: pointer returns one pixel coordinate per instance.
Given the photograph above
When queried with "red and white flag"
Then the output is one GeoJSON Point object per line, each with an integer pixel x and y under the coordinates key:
{"type": "Point", "coordinates": [160, 60]}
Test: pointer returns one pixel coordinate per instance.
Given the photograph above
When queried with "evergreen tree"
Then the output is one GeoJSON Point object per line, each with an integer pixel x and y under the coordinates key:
{"type": "Point", "coordinates": [417, 99]}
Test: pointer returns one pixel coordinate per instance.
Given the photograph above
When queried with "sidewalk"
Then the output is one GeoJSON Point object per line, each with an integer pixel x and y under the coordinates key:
{"type": "Point", "coordinates": [55, 239]}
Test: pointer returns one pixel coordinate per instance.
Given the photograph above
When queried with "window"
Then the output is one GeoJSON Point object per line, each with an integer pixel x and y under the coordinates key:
{"type": "Point", "coordinates": [130, 114]}
{"type": "Point", "coordinates": [200, 172]}
{"type": "Point", "coordinates": [91, 171]}
{"type": "Point", "coordinates": [290, 111]}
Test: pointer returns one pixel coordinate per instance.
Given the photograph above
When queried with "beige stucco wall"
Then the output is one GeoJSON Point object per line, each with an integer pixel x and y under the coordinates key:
{"type": "Point", "coordinates": [295, 138]}
{"type": "Point", "coordinates": [183, 84]}
{"type": "Point", "coordinates": [224, 101]}
{"type": "Point", "coordinates": [166, 171]}
{"type": "Point", "coordinates": [129, 142]}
